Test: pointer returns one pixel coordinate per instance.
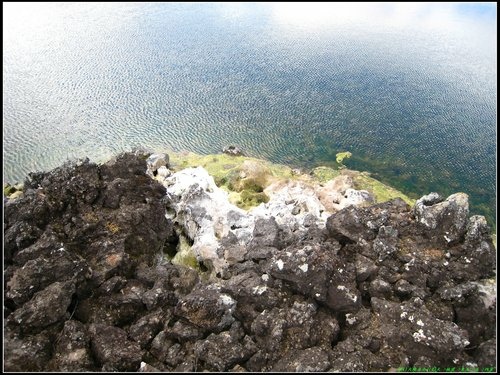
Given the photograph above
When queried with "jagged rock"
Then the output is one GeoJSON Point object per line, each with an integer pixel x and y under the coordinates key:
{"type": "Point", "coordinates": [444, 221]}
{"type": "Point", "coordinates": [36, 274]}
{"type": "Point", "coordinates": [207, 308]}
{"type": "Point", "coordinates": [222, 351]}
{"type": "Point", "coordinates": [307, 360]}
{"type": "Point", "coordinates": [72, 349]}
{"type": "Point", "coordinates": [365, 268]}
{"type": "Point", "coordinates": [294, 205]}
{"type": "Point", "coordinates": [486, 354]}
{"type": "Point", "coordinates": [184, 331]}
{"type": "Point", "coordinates": [144, 330]}
{"type": "Point", "coordinates": [412, 327]}
{"type": "Point", "coordinates": [204, 213]}
{"type": "Point", "coordinates": [112, 349]}
{"type": "Point", "coordinates": [155, 162]}
{"type": "Point", "coordinates": [353, 197]}
{"type": "Point", "coordinates": [308, 268]}
{"type": "Point", "coordinates": [46, 307]}
{"type": "Point", "coordinates": [88, 284]}
{"type": "Point", "coordinates": [355, 224]}
{"type": "Point", "coordinates": [26, 352]}
{"type": "Point", "coordinates": [332, 193]}
{"type": "Point", "coordinates": [266, 233]}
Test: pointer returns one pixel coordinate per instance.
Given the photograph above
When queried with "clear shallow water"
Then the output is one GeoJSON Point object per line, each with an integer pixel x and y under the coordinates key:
{"type": "Point", "coordinates": [409, 90]}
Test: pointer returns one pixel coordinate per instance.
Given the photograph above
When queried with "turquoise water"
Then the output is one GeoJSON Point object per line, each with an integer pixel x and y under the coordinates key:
{"type": "Point", "coordinates": [410, 90]}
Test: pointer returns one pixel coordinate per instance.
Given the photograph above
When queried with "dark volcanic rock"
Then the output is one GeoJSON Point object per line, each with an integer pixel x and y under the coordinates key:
{"type": "Point", "coordinates": [46, 307]}
{"type": "Point", "coordinates": [444, 221]}
{"type": "Point", "coordinates": [207, 308]}
{"type": "Point", "coordinates": [72, 349]}
{"type": "Point", "coordinates": [113, 350]}
{"type": "Point", "coordinates": [87, 286]}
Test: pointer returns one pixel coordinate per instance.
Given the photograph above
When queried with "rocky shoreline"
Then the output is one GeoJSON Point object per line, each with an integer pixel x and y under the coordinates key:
{"type": "Point", "coordinates": [148, 264]}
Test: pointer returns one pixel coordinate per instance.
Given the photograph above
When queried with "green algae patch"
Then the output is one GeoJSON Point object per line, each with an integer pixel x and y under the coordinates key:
{"type": "Point", "coordinates": [339, 158]}
{"type": "Point", "coordinates": [380, 191]}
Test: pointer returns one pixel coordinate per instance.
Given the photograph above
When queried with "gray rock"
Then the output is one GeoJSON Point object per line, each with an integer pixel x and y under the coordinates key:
{"type": "Point", "coordinates": [111, 348]}
{"type": "Point", "coordinates": [365, 268]}
{"type": "Point", "coordinates": [385, 244]}
{"type": "Point", "coordinates": [355, 224]}
{"type": "Point", "coordinates": [444, 221]}
{"type": "Point", "coordinates": [155, 162]}
{"type": "Point", "coordinates": [232, 150]}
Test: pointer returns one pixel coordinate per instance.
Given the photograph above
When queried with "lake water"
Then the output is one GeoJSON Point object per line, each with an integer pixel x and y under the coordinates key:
{"type": "Point", "coordinates": [410, 90]}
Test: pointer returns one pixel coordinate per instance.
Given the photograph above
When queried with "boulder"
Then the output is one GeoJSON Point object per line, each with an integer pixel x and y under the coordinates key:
{"type": "Point", "coordinates": [444, 221]}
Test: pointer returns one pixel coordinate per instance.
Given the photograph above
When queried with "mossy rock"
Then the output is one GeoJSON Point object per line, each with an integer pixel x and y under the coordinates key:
{"type": "Point", "coordinates": [380, 191]}
{"type": "Point", "coordinates": [249, 199]}
{"type": "Point", "coordinates": [8, 189]}
{"type": "Point", "coordinates": [184, 255]}
{"type": "Point", "coordinates": [245, 178]}
{"type": "Point", "coordinates": [324, 174]}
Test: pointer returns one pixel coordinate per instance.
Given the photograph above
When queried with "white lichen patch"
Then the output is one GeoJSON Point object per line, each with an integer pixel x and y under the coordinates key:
{"type": "Point", "coordinates": [259, 289]}
{"type": "Point", "coordinates": [350, 319]}
{"type": "Point", "coordinates": [420, 323]}
{"type": "Point", "coordinates": [280, 264]}
{"type": "Point", "coordinates": [304, 267]}
{"type": "Point", "coordinates": [445, 263]}
{"type": "Point", "coordinates": [341, 287]}
{"type": "Point", "coordinates": [265, 277]}
{"type": "Point", "coordinates": [411, 318]}
{"type": "Point", "coordinates": [448, 239]}
{"type": "Point", "coordinates": [419, 335]}
{"type": "Point", "coordinates": [227, 300]}
{"type": "Point", "coordinates": [403, 314]}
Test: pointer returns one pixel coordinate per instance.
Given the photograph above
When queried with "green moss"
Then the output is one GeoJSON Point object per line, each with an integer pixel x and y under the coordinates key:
{"type": "Point", "coordinates": [8, 189]}
{"type": "Point", "coordinates": [324, 174]}
{"type": "Point", "coordinates": [245, 178]}
{"type": "Point", "coordinates": [380, 191]}
{"type": "Point", "coordinates": [252, 184]}
{"type": "Point", "coordinates": [249, 199]}
{"type": "Point", "coordinates": [184, 255]}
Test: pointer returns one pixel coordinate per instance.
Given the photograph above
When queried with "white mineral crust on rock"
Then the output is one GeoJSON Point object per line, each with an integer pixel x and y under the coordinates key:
{"type": "Point", "coordinates": [204, 214]}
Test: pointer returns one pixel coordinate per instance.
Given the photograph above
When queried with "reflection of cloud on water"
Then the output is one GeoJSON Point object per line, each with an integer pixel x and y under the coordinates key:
{"type": "Point", "coordinates": [420, 15]}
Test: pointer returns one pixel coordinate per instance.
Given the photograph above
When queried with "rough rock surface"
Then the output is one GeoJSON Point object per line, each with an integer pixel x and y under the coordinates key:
{"type": "Point", "coordinates": [286, 286]}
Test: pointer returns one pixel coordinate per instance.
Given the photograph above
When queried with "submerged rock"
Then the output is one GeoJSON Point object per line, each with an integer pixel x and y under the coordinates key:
{"type": "Point", "coordinates": [128, 266]}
